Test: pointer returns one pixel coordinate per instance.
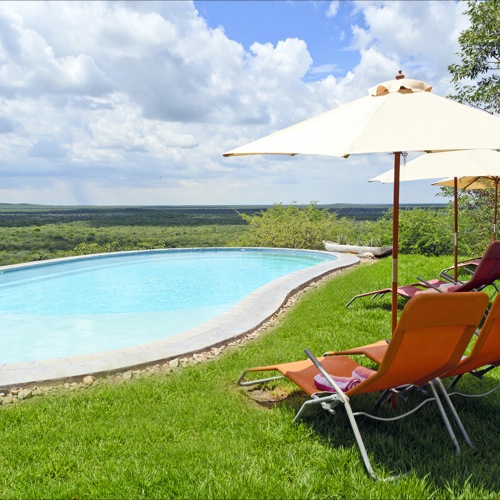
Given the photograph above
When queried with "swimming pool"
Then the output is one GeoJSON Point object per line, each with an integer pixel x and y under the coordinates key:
{"type": "Point", "coordinates": [120, 303]}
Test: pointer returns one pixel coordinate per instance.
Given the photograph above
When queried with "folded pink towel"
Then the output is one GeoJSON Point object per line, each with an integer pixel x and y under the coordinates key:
{"type": "Point", "coordinates": [362, 373]}
{"type": "Point", "coordinates": [345, 383]}
{"type": "Point", "coordinates": [359, 374]}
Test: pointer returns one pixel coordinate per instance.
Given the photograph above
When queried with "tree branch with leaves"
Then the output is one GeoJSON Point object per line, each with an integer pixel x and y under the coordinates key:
{"type": "Point", "coordinates": [476, 78]}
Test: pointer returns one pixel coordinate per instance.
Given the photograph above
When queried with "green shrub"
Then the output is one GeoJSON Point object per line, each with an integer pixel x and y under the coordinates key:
{"type": "Point", "coordinates": [292, 226]}
{"type": "Point", "coordinates": [288, 226]}
{"type": "Point", "coordinates": [425, 231]}
{"type": "Point", "coordinates": [476, 210]}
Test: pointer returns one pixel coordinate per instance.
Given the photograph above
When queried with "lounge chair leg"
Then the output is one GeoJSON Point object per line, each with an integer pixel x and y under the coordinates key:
{"type": "Point", "coordinates": [455, 381]}
{"type": "Point", "coordinates": [474, 395]}
{"type": "Point", "coordinates": [359, 440]}
{"type": "Point", "coordinates": [479, 373]}
{"type": "Point", "coordinates": [382, 399]}
{"type": "Point", "coordinates": [454, 412]}
{"type": "Point", "coordinates": [327, 403]}
{"type": "Point", "coordinates": [339, 398]}
{"type": "Point", "coordinates": [444, 417]}
{"type": "Point", "coordinates": [352, 300]}
{"type": "Point", "coordinates": [253, 382]}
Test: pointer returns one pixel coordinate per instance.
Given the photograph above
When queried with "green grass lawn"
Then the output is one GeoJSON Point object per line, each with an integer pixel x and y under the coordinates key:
{"type": "Point", "coordinates": [196, 434]}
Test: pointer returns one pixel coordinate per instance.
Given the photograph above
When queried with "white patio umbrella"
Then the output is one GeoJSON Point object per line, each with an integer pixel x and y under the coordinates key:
{"type": "Point", "coordinates": [398, 115]}
{"type": "Point", "coordinates": [472, 169]}
{"type": "Point", "coordinates": [489, 181]}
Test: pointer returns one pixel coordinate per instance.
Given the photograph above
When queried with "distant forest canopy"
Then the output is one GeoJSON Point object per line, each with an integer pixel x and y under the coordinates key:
{"type": "Point", "coordinates": [40, 232]}
{"type": "Point", "coordinates": [24, 214]}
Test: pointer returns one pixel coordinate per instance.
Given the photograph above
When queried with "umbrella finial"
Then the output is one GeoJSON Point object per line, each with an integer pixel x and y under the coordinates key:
{"type": "Point", "coordinates": [401, 85]}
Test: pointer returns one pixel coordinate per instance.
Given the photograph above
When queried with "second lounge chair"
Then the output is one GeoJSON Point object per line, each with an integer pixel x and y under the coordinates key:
{"type": "Point", "coordinates": [485, 274]}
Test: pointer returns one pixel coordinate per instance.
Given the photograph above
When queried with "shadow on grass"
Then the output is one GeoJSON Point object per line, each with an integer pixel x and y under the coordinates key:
{"type": "Point", "coordinates": [418, 445]}
{"type": "Point", "coordinates": [270, 398]}
{"type": "Point", "coordinates": [378, 303]}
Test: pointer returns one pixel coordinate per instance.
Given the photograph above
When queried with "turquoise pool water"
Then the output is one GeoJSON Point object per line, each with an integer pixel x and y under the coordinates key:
{"type": "Point", "coordinates": [99, 303]}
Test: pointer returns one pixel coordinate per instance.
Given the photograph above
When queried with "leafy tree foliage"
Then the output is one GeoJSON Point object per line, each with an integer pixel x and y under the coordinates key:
{"type": "Point", "coordinates": [422, 231]}
{"type": "Point", "coordinates": [480, 56]}
{"type": "Point", "coordinates": [288, 227]}
{"type": "Point", "coordinates": [28, 243]}
{"type": "Point", "coordinates": [477, 82]}
{"type": "Point", "coordinates": [475, 218]}
{"type": "Point", "coordinates": [293, 226]}
{"type": "Point", "coordinates": [425, 231]}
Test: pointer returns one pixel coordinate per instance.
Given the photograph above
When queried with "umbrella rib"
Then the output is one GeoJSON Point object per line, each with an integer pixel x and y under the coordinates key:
{"type": "Point", "coordinates": [474, 179]}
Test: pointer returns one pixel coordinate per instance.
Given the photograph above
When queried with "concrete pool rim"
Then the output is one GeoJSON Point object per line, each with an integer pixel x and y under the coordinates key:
{"type": "Point", "coordinates": [246, 316]}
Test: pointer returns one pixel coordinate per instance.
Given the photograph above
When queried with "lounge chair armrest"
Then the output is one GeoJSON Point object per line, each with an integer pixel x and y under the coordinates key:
{"type": "Point", "coordinates": [430, 285]}
{"type": "Point", "coordinates": [354, 350]}
{"type": "Point", "coordinates": [375, 351]}
{"type": "Point", "coordinates": [333, 353]}
{"type": "Point", "coordinates": [445, 273]}
{"type": "Point", "coordinates": [447, 276]}
{"type": "Point", "coordinates": [451, 279]}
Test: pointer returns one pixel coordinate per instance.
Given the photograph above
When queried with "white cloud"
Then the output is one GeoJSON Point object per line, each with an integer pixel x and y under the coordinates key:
{"type": "Point", "coordinates": [31, 67]}
{"type": "Point", "coordinates": [421, 37]}
{"type": "Point", "coordinates": [135, 102]}
{"type": "Point", "coordinates": [333, 8]}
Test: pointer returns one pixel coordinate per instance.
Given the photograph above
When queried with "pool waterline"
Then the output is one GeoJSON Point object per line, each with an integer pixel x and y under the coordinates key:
{"type": "Point", "coordinates": [241, 319]}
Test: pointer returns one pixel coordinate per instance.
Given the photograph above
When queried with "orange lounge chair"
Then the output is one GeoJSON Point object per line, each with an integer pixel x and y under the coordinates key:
{"type": "Point", "coordinates": [429, 340]}
{"type": "Point", "coordinates": [484, 353]}
{"type": "Point", "coordinates": [486, 349]}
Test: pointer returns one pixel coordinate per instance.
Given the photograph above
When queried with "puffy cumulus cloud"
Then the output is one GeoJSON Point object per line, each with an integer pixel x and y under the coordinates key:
{"type": "Point", "coordinates": [275, 76]}
{"type": "Point", "coordinates": [411, 34]}
{"type": "Point", "coordinates": [99, 29]}
{"type": "Point", "coordinates": [193, 78]}
{"type": "Point", "coordinates": [289, 59]}
{"type": "Point", "coordinates": [374, 67]}
{"type": "Point", "coordinates": [31, 67]}
{"type": "Point", "coordinates": [135, 102]}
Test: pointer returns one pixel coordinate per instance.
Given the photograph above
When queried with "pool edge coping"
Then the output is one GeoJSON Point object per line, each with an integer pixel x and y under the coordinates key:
{"type": "Point", "coordinates": [243, 318]}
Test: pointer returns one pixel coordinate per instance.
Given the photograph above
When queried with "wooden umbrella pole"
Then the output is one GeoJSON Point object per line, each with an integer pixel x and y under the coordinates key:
{"type": "Point", "coordinates": [395, 241]}
{"type": "Point", "coordinates": [495, 210]}
{"type": "Point", "coordinates": [455, 243]}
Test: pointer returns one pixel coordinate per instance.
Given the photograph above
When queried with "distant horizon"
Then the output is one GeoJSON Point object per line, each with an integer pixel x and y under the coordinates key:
{"type": "Point", "coordinates": [229, 205]}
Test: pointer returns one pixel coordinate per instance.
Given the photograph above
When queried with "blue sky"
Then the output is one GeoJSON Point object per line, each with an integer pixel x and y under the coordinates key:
{"type": "Point", "coordinates": [133, 103]}
{"type": "Point", "coordinates": [325, 26]}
